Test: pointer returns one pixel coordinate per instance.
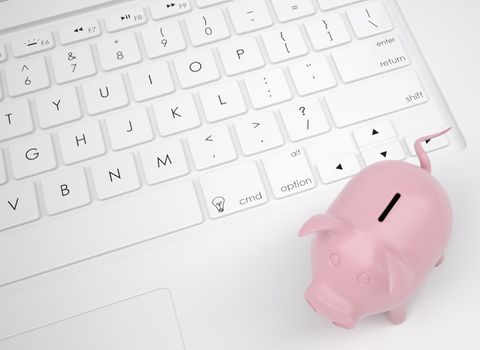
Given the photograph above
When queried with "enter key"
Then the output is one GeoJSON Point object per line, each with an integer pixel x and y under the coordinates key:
{"type": "Point", "coordinates": [371, 58]}
{"type": "Point", "coordinates": [288, 172]}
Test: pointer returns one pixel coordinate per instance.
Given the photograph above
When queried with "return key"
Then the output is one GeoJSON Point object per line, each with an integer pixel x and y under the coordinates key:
{"type": "Point", "coordinates": [371, 58]}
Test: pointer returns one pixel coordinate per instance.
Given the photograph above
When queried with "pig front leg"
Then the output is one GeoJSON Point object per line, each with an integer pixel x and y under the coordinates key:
{"type": "Point", "coordinates": [398, 314]}
{"type": "Point", "coordinates": [439, 261]}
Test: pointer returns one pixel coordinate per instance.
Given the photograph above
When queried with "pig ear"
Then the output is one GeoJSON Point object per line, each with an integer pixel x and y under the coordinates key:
{"type": "Point", "coordinates": [400, 274]}
{"type": "Point", "coordinates": [321, 222]}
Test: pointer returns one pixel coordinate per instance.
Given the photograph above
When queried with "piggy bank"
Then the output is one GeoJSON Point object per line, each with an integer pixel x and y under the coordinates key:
{"type": "Point", "coordinates": [378, 241]}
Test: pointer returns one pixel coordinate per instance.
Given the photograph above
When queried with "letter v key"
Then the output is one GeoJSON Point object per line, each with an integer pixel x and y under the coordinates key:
{"type": "Point", "coordinates": [15, 212]}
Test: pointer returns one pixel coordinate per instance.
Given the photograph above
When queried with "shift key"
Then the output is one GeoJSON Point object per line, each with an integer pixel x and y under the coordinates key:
{"type": "Point", "coordinates": [375, 98]}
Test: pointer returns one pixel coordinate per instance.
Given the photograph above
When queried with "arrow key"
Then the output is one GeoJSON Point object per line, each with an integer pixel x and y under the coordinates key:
{"type": "Point", "coordinates": [371, 134]}
{"type": "Point", "coordinates": [338, 168]}
{"type": "Point", "coordinates": [389, 151]}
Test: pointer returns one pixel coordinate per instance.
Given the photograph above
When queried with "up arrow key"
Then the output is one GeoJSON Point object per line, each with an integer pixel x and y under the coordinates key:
{"type": "Point", "coordinates": [339, 167]}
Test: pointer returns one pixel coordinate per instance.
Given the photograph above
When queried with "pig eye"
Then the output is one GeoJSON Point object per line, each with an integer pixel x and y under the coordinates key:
{"type": "Point", "coordinates": [363, 278]}
{"type": "Point", "coordinates": [334, 259]}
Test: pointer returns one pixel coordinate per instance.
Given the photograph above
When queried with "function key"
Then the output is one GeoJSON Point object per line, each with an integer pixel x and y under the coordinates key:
{"type": "Point", "coordinates": [129, 17]}
{"type": "Point", "coordinates": [79, 31]}
{"type": "Point", "coordinates": [206, 3]}
{"type": "Point", "coordinates": [167, 8]}
{"type": "Point", "coordinates": [31, 43]}
{"type": "Point", "coordinates": [331, 4]}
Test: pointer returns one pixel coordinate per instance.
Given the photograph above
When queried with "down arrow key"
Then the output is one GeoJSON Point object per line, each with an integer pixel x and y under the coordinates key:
{"type": "Point", "coordinates": [389, 151]}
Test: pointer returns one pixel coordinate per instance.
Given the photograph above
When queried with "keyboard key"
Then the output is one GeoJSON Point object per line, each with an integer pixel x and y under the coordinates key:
{"type": "Point", "coordinates": [312, 75]}
{"type": "Point", "coordinates": [15, 119]}
{"type": "Point", "coordinates": [176, 114]}
{"type": "Point", "coordinates": [268, 88]}
{"type": "Point", "coordinates": [78, 31]}
{"type": "Point", "coordinates": [27, 76]}
{"type": "Point", "coordinates": [104, 94]}
{"type": "Point", "coordinates": [65, 191]}
{"type": "Point", "coordinates": [330, 4]}
{"type": "Point", "coordinates": [249, 15]}
{"type": "Point", "coordinates": [233, 189]}
{"type": "Point", "coordinates": [198, 67]}
{"type": "Point", "coordinates": [338, 168]}
{"type": "Point", "coordinates": [398, 91]}
{"type": "Point", "coordinates": [126, 18]}
{"type": "Point", "coordinates": [430, 146]}
{"type": "Point", "coordinates": [149, 81]}
{"type": "Point", "coordinates": [207, 27]}
{"type": "Point", "coordinates": [205, 3]}
{"type": "Point", "coordinates": [288, 172]}
{"type": "Point", "coordinates": [3, 53]}
{"type": "Point", "coordinates": [212, 147]}
{"type": "Point", "coordinates": [388, 151]}
{"type": "Point", "coordinates": [222, 101]}
{"type": "Point", "coordinates": [129, 128]}
{"type": "Point", "coordinates": [241, 56]}
{"type": "Point", "coordinates": [374, 133]}
{"type": "Point", "coordinates": [370, 19]}
{"type": "Point", "coordinates": [364, 60]}
{"type": "Point", "coordinates": [18, 205]}
{"type": "Point", "coordinates": [327, 31]}
{"type": "Point", "coordinates": [73, 63]}
{"type": "Point", "coordinates": [292, 9]}
{"type": "Point", "coordinates": [32, 156]}
{"type": "Point", "coordinates": [284, 44]}
{"type": "Point", "coordinates": [32, 43]}
{"type": "Point", "coordinates": [114, 176]}
{"type": "Point", "coordinates": [3, 171]}
{"type": "Point", "coordinates": [304, 119]}
{"type": "Point", "coordinates": [163, 39]}
{"type": "Point", "coordinates": [166, 8]}
{"type": "Point", "coordinates": [58, 107]}
{"type": "Point", "coordinates": [164, 160]}
{"type": "Point", "coordinates": [81, 142]}
{"type": "Point", "coordinates": [118, 51]}
{"type": "Point", "coordinates": [258, 133]}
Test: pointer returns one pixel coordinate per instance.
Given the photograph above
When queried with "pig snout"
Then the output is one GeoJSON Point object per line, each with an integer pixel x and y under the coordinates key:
{"type": "Point", "coordinates": [327, 303]}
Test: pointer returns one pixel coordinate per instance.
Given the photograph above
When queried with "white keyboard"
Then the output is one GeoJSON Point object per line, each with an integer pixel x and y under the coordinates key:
{"type": "Point", "coordinates": [206, 108]}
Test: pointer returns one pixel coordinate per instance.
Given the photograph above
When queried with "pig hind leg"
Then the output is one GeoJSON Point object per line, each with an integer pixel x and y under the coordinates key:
{"type": "Point", "coordinates": [398, 314]}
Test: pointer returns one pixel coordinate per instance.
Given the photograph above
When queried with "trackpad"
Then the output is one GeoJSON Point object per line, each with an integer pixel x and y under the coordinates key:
{"type": "Point", "coordinates": [147, 321]}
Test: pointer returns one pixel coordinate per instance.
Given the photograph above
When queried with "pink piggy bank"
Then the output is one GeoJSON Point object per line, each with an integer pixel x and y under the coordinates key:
{"type": "Point", "coordinates": [378, 241]}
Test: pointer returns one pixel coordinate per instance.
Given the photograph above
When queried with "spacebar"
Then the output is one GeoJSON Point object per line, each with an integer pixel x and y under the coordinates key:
{"type": "Point", "coordinates": [48, 245]}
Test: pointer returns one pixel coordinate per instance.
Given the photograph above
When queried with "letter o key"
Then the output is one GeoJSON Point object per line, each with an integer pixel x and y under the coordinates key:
{"type": "Point", "coordinates": [195, 66]}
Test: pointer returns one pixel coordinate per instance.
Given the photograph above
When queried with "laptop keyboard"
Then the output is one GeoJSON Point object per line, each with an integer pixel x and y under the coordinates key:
{"type": "Point", "coordinates": [164, 92]}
